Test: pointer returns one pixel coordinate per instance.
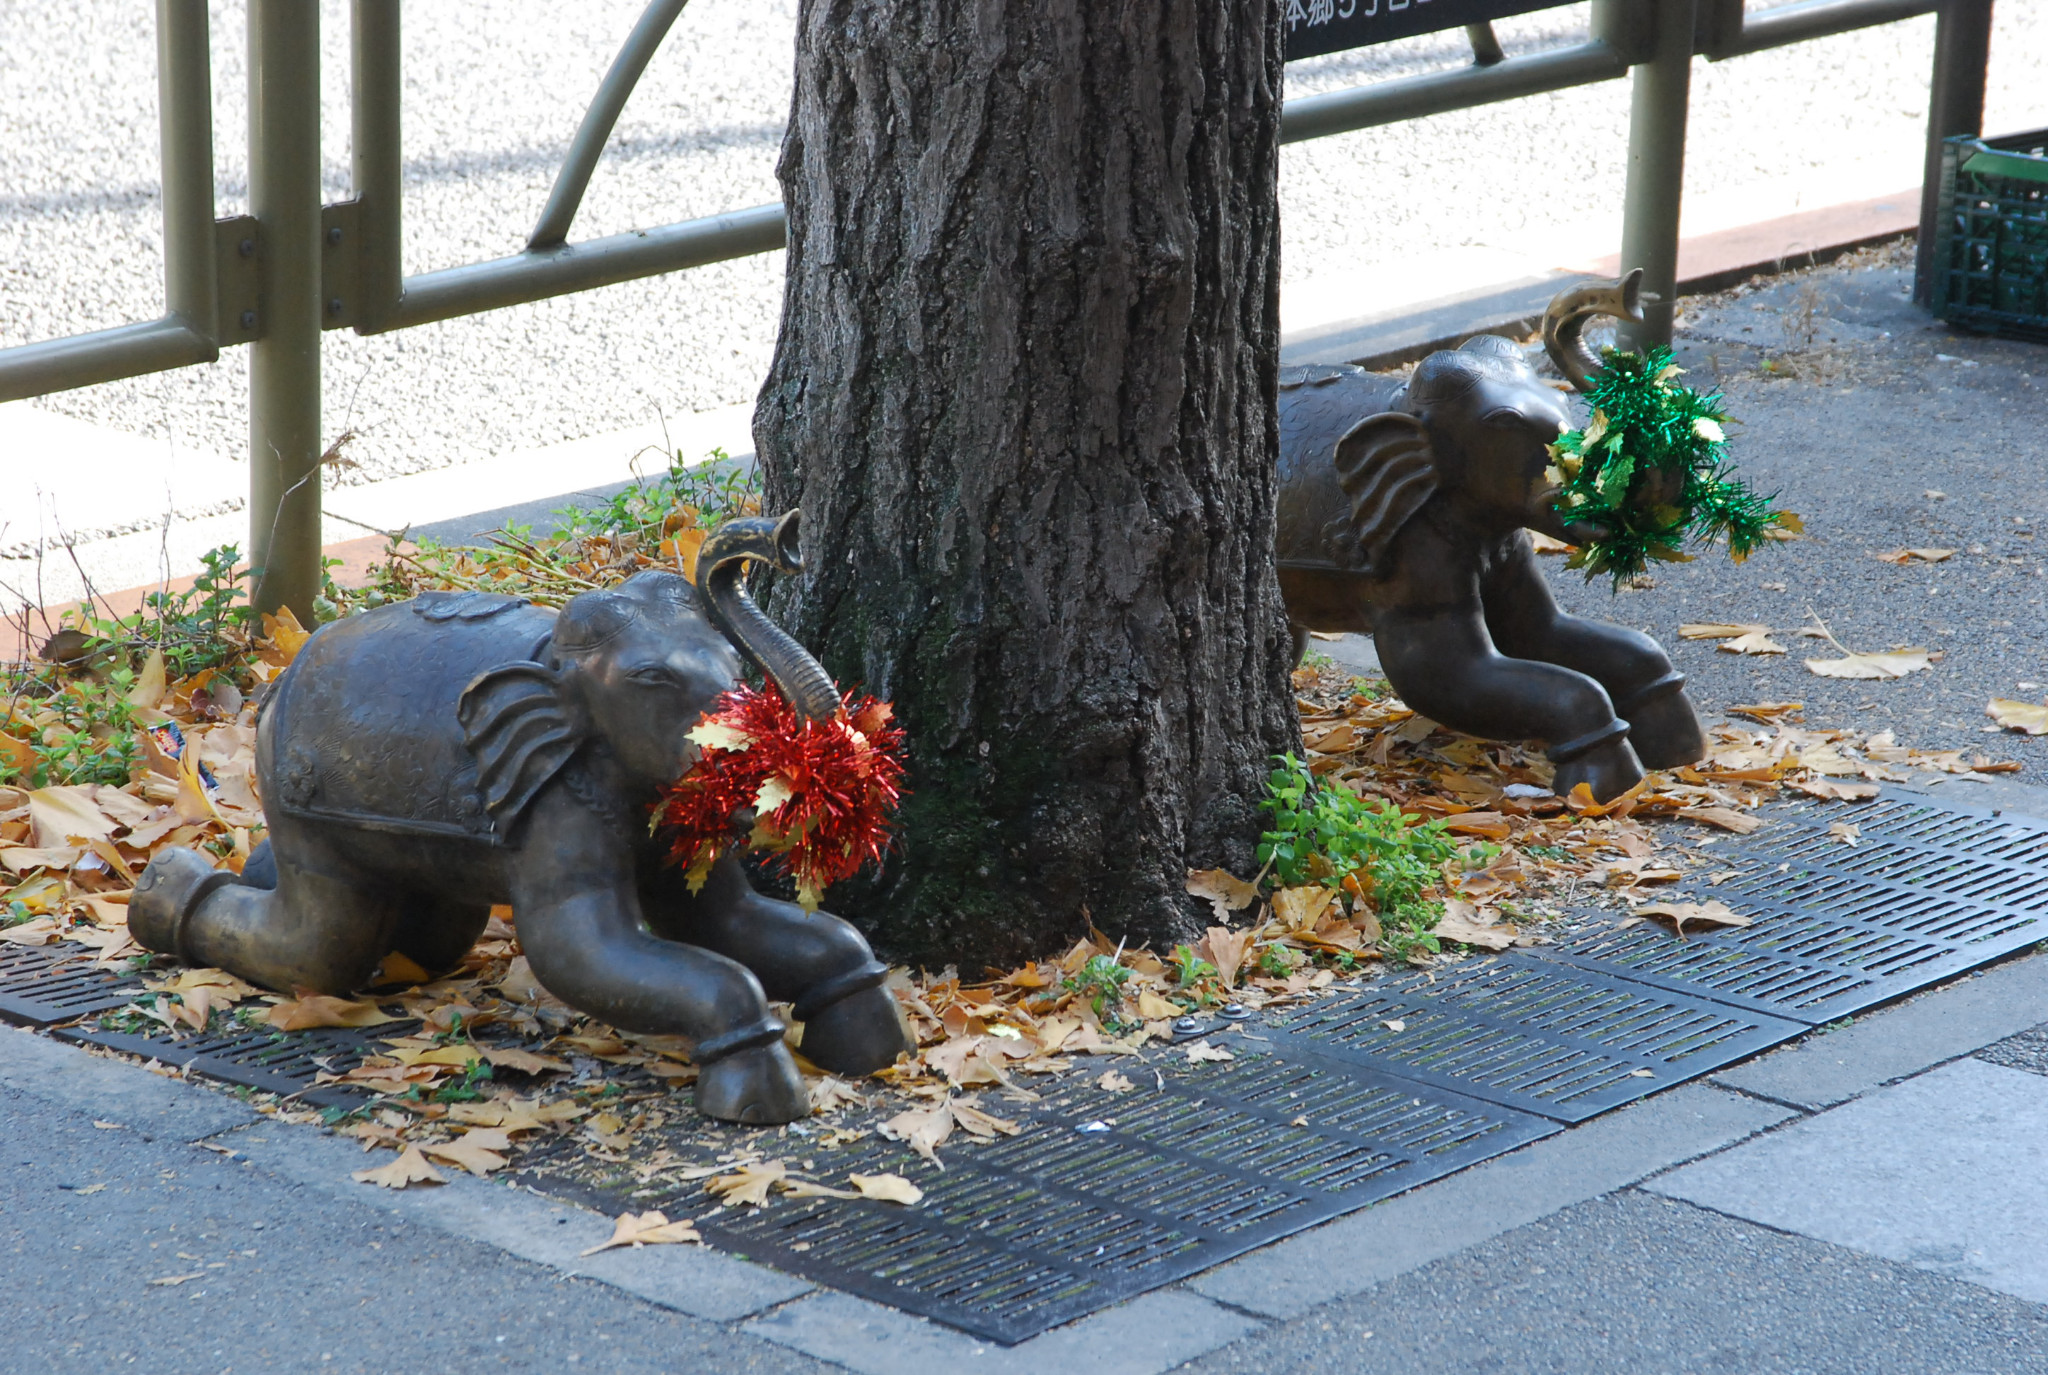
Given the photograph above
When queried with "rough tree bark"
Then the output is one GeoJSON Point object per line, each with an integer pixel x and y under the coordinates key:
{"type": "Point", "coordinates": [1024, 394]}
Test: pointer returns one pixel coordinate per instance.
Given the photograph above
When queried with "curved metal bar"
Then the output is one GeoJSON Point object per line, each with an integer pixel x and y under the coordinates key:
{"type": "Point", "coordinates": [591, 135]}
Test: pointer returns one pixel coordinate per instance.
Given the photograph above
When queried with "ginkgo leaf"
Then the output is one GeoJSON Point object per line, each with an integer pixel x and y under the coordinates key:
{"type": "Point", "coordinates": [468, 1154]}
{"type": "Point", "coordinates": [1464, 923]}
{"type": "Point", "coordinates": [887, 1188]}
{"type": "Point", "coordinates": [1727, 818]}
{"type": "Point", "coordinates": [1756, 642]}
{"type": "Point", "coordinates": [525, 1061]}
{"type": "Point", "coordinates": [1202, 1050]}
{"type": "Point", "coordinates": [1896, 664]}
{"type": "Point", "coordinates": [308, 1009]}
{"type": "Point", "coordinates": [1848, 832]}
{"type": "Point", "coordinates": [1225, 892]}
{"type": "Point", "coordinates": [749, 1184]}
{"type": "Point", "coordinates": [987, 1126]}
{"type": "Point", "coordinates": [1918, 555]}
{"type": "Point", "coordinates": [409, 1169]}
{"type": "Point", "coordinates": [713, 735]}
{"type": "Point", "coordinates": [651, 1228]}
{"type": "Point", "coordinates": [923, 1130]}
{"type": "Point", "coordinates": [1681, 914]}
{"type": "Point", "coordinates": [804, 1188]}
{"type": "Point", "coordinates": [1114, 1082]}
{"type": "Point", "coordinates": [1719, 630]}
{"type": "Point", "coordinates": [1152, 1007]}
{"type": "Point", "coordinates": [2023, 716]}
{"type": "Point", "coordinates": [1836, 792]}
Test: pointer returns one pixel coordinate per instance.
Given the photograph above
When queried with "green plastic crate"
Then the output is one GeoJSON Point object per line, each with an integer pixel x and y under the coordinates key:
{"type": "Point", "coordinates": [1990, 263]}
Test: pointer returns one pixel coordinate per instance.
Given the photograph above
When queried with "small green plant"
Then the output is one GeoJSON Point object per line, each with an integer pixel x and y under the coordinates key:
{"type": "Point", "coordinates": [465, 1090]}
{"type": "Point", "coordinates": [717, 490]}
{"type": "Point", "coordinates": [1324, 833]}
{"type": "Point", "coordinates": [1276, 961]}
{"type": "Point", "coordinates": [1550, 852]}
{"type": "Point", "coordinates": [1477, 856]}
{"type": "Point", "coordinates": [1189, 968]}
{"type": "Point", "coordinates": [1101, 980]}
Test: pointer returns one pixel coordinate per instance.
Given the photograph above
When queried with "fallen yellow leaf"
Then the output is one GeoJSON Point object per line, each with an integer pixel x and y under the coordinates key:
{"type": "Point", "coordinates": [469, 1153]}
{"type": "Point", "coordinates": [749, 1184]}
{"type": "Point", "coordinates": [651, 1228]}
{"type": "Point", "coordinates": [309, 1009]}
{"type": "Point", "coordinates": [1895, 664]}
{"type": "Point", "coordinates": [1225, 893]}
{"type": "Point", "coordinates": [1757, 642]}
{"type": "Point", "coordinates": [2024, 716]}
{"type": "Point", "coordinates": [409, 1169]}
{"type": "Point", "coordinates": [887, 1188]}
{"type": "Point", "coordinates": [1709, 913]}
{"type": "Point", "coordinates": [1720, 630]}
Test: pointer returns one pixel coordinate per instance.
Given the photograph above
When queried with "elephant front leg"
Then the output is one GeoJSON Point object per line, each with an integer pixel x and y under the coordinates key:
{"type": "Point", "coordinates": [819, 962]}
{"type": "Point", "coordinates": [1445, 665]}
{"type": "Point", "coordinates": [580, 924]}
{"type": "Point", "coordinates": [1524, 620]}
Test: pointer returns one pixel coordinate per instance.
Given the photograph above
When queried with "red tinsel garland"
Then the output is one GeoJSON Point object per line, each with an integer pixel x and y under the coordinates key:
{"type": "Point", "coordinates": [821, 791]}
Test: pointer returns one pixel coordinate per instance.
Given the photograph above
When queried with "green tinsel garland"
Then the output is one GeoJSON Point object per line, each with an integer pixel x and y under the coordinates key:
{"type": "Point", "coordinates": [1650, 438]}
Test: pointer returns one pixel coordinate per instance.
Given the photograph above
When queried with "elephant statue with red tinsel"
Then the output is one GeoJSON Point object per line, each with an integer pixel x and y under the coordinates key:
{"type": "Point", "coordinates": [423, 761]}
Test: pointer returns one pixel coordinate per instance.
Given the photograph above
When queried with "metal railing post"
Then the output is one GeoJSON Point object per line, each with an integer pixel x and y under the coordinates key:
{"type": "Point", "coordinates": [374, 114]}
{"type": "Point", "coordinates": [185, 123]}
{"type": "Point", "coordinates": [1955, 105]}
{"type": "Point", "coordinates": [284, 362]}
{"type": "Point", "coordinates": [1656, 170]}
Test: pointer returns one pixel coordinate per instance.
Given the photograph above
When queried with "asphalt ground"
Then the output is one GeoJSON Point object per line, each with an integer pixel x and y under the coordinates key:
{"type": "Point", "coordinates": [494, 88]}
{"type": "Point", "coordinates": [1884, 430]}
{"type": "Point", "coordinates": [281, 1279]}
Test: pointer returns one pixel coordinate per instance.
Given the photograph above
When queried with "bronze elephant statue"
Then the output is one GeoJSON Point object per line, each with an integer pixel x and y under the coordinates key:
{"type": "Point", "coordinates": [1403, 513]}
{"type": "Point", "coordinates": [426, 760]}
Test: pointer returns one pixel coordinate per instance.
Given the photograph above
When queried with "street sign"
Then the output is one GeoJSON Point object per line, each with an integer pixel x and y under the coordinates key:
{"type": "Point", "coordinates": [1315, 27]}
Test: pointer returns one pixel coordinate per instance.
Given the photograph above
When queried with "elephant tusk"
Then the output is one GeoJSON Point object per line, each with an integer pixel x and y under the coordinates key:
{"type": "Point", "coordinates": [1565, 318]}
{"type": "Point", "coordinates": [721, 565]}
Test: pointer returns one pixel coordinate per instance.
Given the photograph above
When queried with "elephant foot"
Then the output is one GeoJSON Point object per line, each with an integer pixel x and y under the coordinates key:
{"type": "Point", "coordinates": [1663, 728]}
{"type": "Point", "coordinates": [169, 891]}
{"type": "Point", "coordinates": [759, 1086]}
{"type": "Point", "coordinates": [857, 1034]}
{"type": "Point", "coordinates": [1602, 759]}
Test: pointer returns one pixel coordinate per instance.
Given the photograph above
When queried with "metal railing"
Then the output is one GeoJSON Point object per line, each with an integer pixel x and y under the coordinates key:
{"type": "Point", "coordinates": [275, 278]}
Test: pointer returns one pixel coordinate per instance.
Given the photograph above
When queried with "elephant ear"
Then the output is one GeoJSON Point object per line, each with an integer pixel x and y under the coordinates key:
{"type": "Point", "coordinates": [1388, 469]}
{"type": "Point", "coordinates": [515, 725]}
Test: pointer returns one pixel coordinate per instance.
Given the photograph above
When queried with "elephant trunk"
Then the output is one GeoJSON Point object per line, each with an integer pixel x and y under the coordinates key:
{"type": "Point", "coordinates": [721, 568]}
{"type": "Point", "coordinates": [1564, 322]}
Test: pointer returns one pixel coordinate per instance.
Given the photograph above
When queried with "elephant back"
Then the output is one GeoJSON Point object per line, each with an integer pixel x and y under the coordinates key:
{"type": "Point", "coordinates": [1318, 406]}
{"type": "Point", "coordinates": [362, 729]}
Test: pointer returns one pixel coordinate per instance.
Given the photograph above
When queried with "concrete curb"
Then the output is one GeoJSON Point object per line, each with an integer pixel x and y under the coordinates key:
{"type": "Point", "coordinates": [1157, 1331]}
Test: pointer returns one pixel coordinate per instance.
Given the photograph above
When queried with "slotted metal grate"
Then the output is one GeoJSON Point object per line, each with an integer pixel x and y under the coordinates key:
{"type": "Point", "coordinates": [1544, 1038]}
{"type": "Point", "coordinates": [277, 1062]}
{"type": "Point", "coordinates": [1176, 1176]}
{"type": "Point", "coordinates": [1107, 1195]}
{"type": "Point", "coordinates": [44, 985]}
{"type": "Point", "coordinates": [1928, 891]}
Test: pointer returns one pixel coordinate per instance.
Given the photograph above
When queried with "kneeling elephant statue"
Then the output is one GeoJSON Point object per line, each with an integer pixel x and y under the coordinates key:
{"type": "Point", "coordinates": [1403, 514]}
{"type": "Point", "coordinates": [423, 761]}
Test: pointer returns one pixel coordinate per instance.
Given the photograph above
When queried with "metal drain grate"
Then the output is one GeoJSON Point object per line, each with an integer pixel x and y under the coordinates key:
{"type": "Point", "coordinates": [44, 985]}
{"type": "Point", "coordinates": [1545, 1038]}
{"type": "Point", "coordinates": [276, 1062]}
{"type": "Point", "coordinates": [1927, 892]}
{"type": "Point", "coordinates": [1173, 1177]}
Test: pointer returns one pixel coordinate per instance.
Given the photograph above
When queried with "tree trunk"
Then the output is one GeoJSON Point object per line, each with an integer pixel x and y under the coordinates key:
{"type": "Point", "coordinates": [1024, 394]}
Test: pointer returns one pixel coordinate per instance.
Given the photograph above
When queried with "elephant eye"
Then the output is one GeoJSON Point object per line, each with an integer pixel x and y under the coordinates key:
{"type": "Point", "coordinates": [1506, 418]}
{"type": "Point", "coordinates": [654, 675]}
